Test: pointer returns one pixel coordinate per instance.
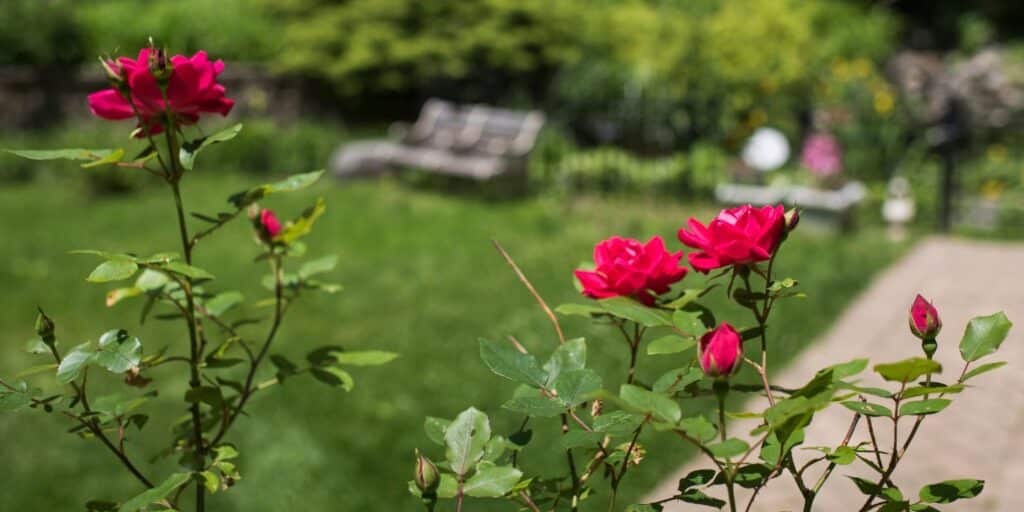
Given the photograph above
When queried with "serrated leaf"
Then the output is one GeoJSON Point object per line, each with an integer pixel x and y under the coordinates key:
{"type": "Point", "coordinates": [677, 379]}
{"type": "Point", "coordinates": [699, 428]}
{"type": "Point", "coordinates": [985, 368]}
{"type": "Point", "coordinates": [113, 270]}
{"type": "Point", "coordinates": [951, 490]}
{"type": "Point", "coordinates": [182, 268]}
{"type": "Point", "coordinates": [908, 370]}
{"type": "Point", "coordinates": [842, 455]}
{"type": "Point", "coordinates": [504, 360]}
{"type": "Point", "coordinates": [74, 362]}
{"type": "Point", "coordinates": [435, 428]}
{"type": "Point", "coordinates": [923, 407]}
{"type": "Point", "coordinates": [155, 494]}
{"type": "Point", "coordinates": [984, 335]}
{"type": "Point", "coordinates": [118, 352]}
{"type": "Point", "coordinates": [61, 154]}
{"type": "Point", "coordinates": [289, 184]}
{"type": "Point", "coordinates": [364, 357]}
{"type": "Point", "coordinates": [189, 150]}
{"type": "Point", "coordinates": [670, 344]}
{"type": "Point", "coordinates": [334, 376]}
{"type": "Point", "coordinates": [658, 405]}
{"type": "Point", "coordinates": [868, 408]}
{"type": "Point", "coordinates": [539, 406]}
{"type": "Point", "coordinates": [493, 482]}
{"type": "Point", "coordinates": [629, 309]}
{"type": "Point", "coordinates": [302, 225]}
{"type": "Point", "coordinates": [465, 439]}
{"type": "Point", "coordinates": [729, 448]}
{"type": "Point", "coordinates": [573, 386]}
{"type": "Point", "coordinates": [688, 322]}
{"type": "Point", "coordinates": [222, 302]}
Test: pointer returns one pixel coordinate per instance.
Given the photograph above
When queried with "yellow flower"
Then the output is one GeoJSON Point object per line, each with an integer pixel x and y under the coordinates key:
{"type": "Point", "coordinates": [884, 102]}
{"type": "Point", "coordinates": [992, 189]}
{"type": "Point", "coordinates": [861, 68]}
{"type": "Point", "coordinates": [996, 153]}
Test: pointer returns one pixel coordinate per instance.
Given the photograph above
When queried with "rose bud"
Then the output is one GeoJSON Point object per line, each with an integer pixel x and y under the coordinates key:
{"type": "Point", "coordinates": [792, 219]}
{"type": "Point", "coordinates": [736, 236]}
{"type": "Point", "coordinates": [45, 328]}
{"type": "Point", "coordinates": [427, 477]}
{"type": "Point", "coordinates": [924, 319]}
{"type": "Point", "coordinates": [720, 351]}
{"type": "Point", "coordinates": [269, 225]}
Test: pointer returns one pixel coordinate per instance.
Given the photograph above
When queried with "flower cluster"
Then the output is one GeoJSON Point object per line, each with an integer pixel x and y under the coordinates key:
{"type": "Point", "coordinates": [822, 155]}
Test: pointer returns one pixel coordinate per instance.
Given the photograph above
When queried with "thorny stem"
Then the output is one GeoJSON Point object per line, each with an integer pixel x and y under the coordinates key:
{"type": "Point", "coordinates": [894, 457]}
{"type": "Point", "coordinates": [533, 291]}
{"type": "Point", "coordinates": [809, 500]}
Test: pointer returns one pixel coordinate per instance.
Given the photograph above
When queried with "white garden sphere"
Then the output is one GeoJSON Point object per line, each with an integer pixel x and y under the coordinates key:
{"type": "Point", "coordinates": [766, 150]}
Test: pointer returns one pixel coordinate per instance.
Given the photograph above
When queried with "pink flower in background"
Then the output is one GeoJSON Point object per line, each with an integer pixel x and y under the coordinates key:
{"type": "Point", "coordinates": [628, 268]}
{"type": "Point", "coordinates": [269, 223]}
{"type": "Point", "coordinates": [736, 236]}
{"type": "Point", "coordinates": [720, 351]}
{"type": "Point", "coordinates": [192, 89]}
{"type": "Point", "coordinates": [822, 155]}
{"type": "Point", "coordinates": [924, 319]}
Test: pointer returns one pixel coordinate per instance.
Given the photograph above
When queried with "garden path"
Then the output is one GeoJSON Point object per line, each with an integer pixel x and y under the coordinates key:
{"type": "Point", "coordinates": [979, 435]}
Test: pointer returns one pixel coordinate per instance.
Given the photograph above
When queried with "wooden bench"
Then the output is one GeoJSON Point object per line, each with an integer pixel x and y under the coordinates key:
{"type": "Point", "coordinates": [470, 141]}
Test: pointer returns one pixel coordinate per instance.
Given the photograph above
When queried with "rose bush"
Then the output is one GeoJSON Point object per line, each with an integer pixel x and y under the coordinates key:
{"type": "Point", "coordinates": [225, 354]}
{"type": "Point", "coordinates": [600, 423]}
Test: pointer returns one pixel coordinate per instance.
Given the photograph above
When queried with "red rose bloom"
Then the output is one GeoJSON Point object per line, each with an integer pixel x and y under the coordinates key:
{"type": "Point", "coordinates": [628, 268]}
{"type": "Point", "coordinates": [736, 236]}
{"type": "Point", "coordinates": [192, 89]}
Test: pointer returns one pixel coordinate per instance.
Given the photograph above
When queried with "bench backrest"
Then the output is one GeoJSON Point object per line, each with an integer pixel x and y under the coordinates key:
{"type": "Point", "coordinates": [475, 129]}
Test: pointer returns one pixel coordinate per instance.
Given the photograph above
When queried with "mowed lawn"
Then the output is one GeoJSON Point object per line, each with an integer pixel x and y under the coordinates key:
{"type": "Point", "coordinates": [421, 278]}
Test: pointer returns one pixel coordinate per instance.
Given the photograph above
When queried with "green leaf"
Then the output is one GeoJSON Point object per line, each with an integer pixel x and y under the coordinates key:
{"type": "Point", "coordinates": [222, 302]}
{"type": "Point", "coordinates": [842, 455]}
{"type": "Point", "coordinates": [182, 268]}
{"type": "Point", "coordinates": [577, 438]}
{"type": "Point", "coordinates": [189, 150]}
{"type": "Point", "coordinates": [984, 335]}
{"type": "Point", "coordinates": [647, 507]}
{"type": "Point", "coordinates": [365, 357]}
{"type": "Point", "coordinates": [729, 448]}
{"type": "Point", "coordinates": [492, 482]}
{"type": "Point", "coordinates": [629, 309]}
{"type": "Point", "coordinates": [670, 344]}
{"type": "Point", "coordinates": [209, 395]}
{"type": "Point", "coordinates": [156, 494]}
{"type": "Point", "coordinates": [658, 405]}
{"type": "Point", "coordinates": [847, 369]}
{"type": "Point", "coordinates": [302, 226]}
{"type": "Point", "coordinates": [113, 270]}
{"type": "Point", "coordinates": [866, 486]}
{"type": "Point", "coordinates": [923, 407]}
{"type": "Point", "coordinates": [113, 158]}
{"type": "Point", "coordinates": [573, 386]}
{"type": "Point", "coordinates": [688, 321]}
{"type": "Point", "coordinates": [435, 428]}
{"type": "Point", "coordinates": [696, 478]}
{"type": "Point", "coordinates": [539, 406]}
{"type": "Point", "coordinates": [677, 379]}
{"type": "Point", "coordinates": [987, 367]}
{"type": "Point", "coordinates": [616, 423]}
{"type": "Point", "coordinates": [571, 355]}
{"type": "Point", "coordinates": [908, 370]}
{"type": "Point", "coordinates": [318, 266]}
{"type": "Point", "coordinates": [868, 408]}
{"type": "Point", "coordinates": [61, 154]}
{"type": "Point", "coordinates": [465, 439]}
{"type": "Point", "coordinates": [504, 360]}
{"type": "Point", "coordinates": [951, 490]}
{"type": "Point", "coordinates": [698, 498]}
{"type": "Point", "coordinates": [118, 352]}
{"type": "Point", "coordinates": [930, 390]}
{"type": "Point", "coordinates": [699, 428]}
{"type": "Point", "coordinates": [752, 475]}
{"type": "Point", "coordinates": [289, 184]}
{"type": "Point", "coordinates": [12, 400]}
{"type": "Point", "coordinates": [74, 362]}
{"type": "Point", "coordinates": [586, 310]}
{"type": "Point", "coordinates": [334, 376]}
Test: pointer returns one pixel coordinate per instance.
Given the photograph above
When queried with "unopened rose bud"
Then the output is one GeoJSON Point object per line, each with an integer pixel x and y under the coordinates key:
{"type": "Point", "coordinates": [720, 351]}
{"type": "Point", "coordinates": [427, 477]}
{"type": "Point", "coordinates": [269, 225]}
{"type": "Point", "coordinates": [792, 219]}
{"type": "Point", "coordinates": [924, 319]}
{"type": "Point", "coordinates": [45, 328]}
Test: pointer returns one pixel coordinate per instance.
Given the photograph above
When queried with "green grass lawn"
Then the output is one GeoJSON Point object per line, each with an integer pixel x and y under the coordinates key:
{"type": "Point", "coordinates": [421, 279]}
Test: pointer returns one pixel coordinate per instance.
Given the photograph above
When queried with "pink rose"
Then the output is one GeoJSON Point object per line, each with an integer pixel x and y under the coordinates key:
{"type": "Point", "coordinates": [269, 224]}
{"type": "Point", "coordinates": [628, 268]}
{"type": "Point", "coordinates": [720, 351]}
{"type": "Point", "coordinates": [924, 319]}
{"type": "Point", "coordinates": [822, 155]}
{"type": "Point", "coordinates": [192, 89]}
{"type": "Point", "coordinates": [737, 236]}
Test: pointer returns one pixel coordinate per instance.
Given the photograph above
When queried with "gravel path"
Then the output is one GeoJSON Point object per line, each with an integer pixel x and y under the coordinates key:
{"type": "Point", "coordinates": [979, 435]}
